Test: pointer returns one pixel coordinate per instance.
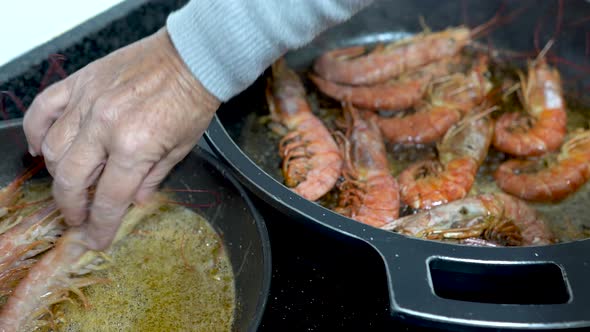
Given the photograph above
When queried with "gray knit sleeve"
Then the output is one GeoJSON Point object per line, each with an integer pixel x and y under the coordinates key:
{"type": "Point", "coordinates": [227, 44]}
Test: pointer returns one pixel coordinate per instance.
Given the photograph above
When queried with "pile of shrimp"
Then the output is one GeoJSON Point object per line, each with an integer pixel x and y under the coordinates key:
{"type": "Point", "coordinates": [43, 262]}
{"type": "Point", "coordinates": [430, 89]}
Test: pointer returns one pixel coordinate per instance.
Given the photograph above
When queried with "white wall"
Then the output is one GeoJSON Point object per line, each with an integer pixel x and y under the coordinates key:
{"type": "Point", "coordinates": [25, 24]}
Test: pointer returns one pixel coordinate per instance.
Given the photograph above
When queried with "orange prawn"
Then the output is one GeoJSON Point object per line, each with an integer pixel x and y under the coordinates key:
{"type": "Point", "coordinates": [447, 103]}
{"type": "Point", "coordinates": [530, 180]}
{"type": "Point", "coordinates": [397, 94]}
{"type": "Point", "coordinates": [429, 183]}
{"type": "Point", "coordinates": [311, 160]}
{"type": "Point", "coordinates": [497, 218]}
{"type": "Point", "coordinates": [33, 235]}
{"type": "Point", "coordinates": [61, 271]}
{"type": "Point", "coordinates": [10, 193]}
{"type": "Point", "coordinates": [543, 128]}
{"type": "Point", "coordinates": [352, 66]}
{"type": "Point", "coordinates": [369, 193]}
{"type": "Point", "coordinates": [47, 283]}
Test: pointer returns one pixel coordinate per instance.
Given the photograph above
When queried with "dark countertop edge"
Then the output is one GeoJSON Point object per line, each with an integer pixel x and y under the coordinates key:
{"type": "Point", "coordinates": [38, 54]}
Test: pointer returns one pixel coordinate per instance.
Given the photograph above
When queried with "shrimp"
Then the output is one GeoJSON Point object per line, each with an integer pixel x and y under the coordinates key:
{"type": "Point", "coordinates": [47, 283]}
{"type": "Point", "coordinates": [369, 194]}
{"type": "Point", "coordinates": [61, 271]}
{"type": "Point", "coordinates": [448, 103]}
{"type": "Point", "coordinates": [10, 194]}
{"type": "Point", "coordinates": [529, 180]}
{"type": "Point", "coordinates": [397, 94]}
{"type": "Point", "coordinates": [311, 160]}
{"type": "Point", "coordinates": [351, 66]}
{"type": "Point", "coordinates": [543, 128]}
{"type": "Point", "coordinates": [35, 234]}
{"type": "Point", "coordinates": [497, 218]}
{"type": "Point", "coordinates": [429, 183]}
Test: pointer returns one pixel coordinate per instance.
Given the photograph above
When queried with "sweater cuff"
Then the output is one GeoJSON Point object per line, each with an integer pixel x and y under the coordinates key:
{"type": "Point", "coordinates": [227, 44]}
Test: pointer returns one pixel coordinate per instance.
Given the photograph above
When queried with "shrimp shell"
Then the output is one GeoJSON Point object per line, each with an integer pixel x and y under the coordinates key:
{"type": "Point", "coordinates": [543, 128]}
{"type": "Point", "coordinates": [397, 94]}
{"type": "Point", "coordinates": [33, 235]}
{"type": "Point", "coordinates": [426, 184]}
{"type": "Point", "coordinates": [369, 194]}
{"type": "Point", "coordinates": [561, 178]}
{"type": "Point", "coordinates": [447, 103]}
{"type": "Point", "coordinates": [311, 160]}
{"type": "Point", "coordinates": [350, 66]}
{"type": "Point", "coordinates": [10, 193]}
{"type": "Point", "coordinates": [426, 125]}
{"type": "Point", "coordinates": [465, 218]}
{"type": "Point", "coordinates": [61, 271]}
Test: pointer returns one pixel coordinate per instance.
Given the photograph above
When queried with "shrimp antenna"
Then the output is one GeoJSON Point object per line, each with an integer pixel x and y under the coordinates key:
{"type": "Point", "coordinates": [579, 137]}
{"type": "Point", "coordinates": [423, 24]}
{"type": "Point", "coordinates": [55, 67]}
{"type": "Point", "coordinates": [511, 90]}
{"type": "Point", "coordinates": [545, 49]}
{"type": "Point", "coordinates": [351, 115]}
{"type": "Point", "coordinates": [473, 117]}
{"type": "Point", "coordinates": [497, 19]}
{"type": "Point", "coordinates": [216, 195]}
{"type": "Point", "coordinates": [485, 112]}
{"type": "Point", "coordinates": [483, 27]}
{"type": "Point", "coordinates": [346, 151]}
{"type": "Point", "coordinates": [16, 100]}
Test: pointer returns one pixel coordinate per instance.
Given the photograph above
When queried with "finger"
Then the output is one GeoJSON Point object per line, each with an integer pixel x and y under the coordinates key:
{"type": "Point", "coordinates": [115, 191]}
{"type": "Point", "coordinates": [59, 138]}
{"type": "Point", "coordinates": [159, 172]}
{"type": "Point", "coordinates": [45, 109]}
{"type": "Point", "coordinates": [74, 174]}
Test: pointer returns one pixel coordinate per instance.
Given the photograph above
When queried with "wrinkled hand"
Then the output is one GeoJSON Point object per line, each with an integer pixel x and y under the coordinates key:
{"type": "Point", "coordinates": [122, 123]}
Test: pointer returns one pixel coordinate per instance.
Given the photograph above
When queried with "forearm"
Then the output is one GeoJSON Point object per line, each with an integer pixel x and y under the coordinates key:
{"type": "Point", "coordinates": [227, 44]}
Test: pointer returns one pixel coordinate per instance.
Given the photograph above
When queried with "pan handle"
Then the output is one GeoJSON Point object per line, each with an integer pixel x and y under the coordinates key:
{"type": "Point", "coordinates": [444, 285]}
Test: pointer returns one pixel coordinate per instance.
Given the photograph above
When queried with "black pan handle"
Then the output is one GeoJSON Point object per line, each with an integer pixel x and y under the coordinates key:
{"type": "Point", "coordinates": [444, 285]}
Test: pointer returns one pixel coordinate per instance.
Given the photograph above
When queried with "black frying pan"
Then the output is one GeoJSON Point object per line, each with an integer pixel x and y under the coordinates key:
{"type": "Point", "coordinates": [436, 283]}
{"type": "Point", "coordinates": [231, 214]}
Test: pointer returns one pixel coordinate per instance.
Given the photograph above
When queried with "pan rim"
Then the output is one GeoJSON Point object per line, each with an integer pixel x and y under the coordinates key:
{"type": "Point", "coordinates": [228, 174]}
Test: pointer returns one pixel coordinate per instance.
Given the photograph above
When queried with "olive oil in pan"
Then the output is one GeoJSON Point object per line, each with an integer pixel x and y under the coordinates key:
{"type": "Point", "coordinates": [170, 274]}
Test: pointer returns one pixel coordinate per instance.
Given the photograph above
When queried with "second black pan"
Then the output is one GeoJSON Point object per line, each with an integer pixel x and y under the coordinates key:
{"type": "Point", "coordinates": [433, 283]}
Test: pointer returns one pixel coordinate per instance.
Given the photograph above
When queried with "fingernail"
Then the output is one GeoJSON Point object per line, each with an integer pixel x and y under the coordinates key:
{"type": "Point", "coordinates": [32, 152]}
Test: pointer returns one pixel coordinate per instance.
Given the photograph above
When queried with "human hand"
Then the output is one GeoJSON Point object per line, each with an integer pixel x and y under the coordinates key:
{"type": "Point", "coordinates": [122, 123]}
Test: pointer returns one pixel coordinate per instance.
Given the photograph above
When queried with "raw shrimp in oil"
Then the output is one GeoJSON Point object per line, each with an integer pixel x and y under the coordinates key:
{"type": "Point", "coordinates": [352, 66]}
{"type": "Point", "coordinates": [369, 193]}
{"type": "Point", "coordinates": [447, 103]}
{"type": "Point", "coordinates": [496, 218]}
{"type": "Point", "coordinates": [429, 183]}
{"type": "Point", "coordinates": [549, 179]}
{"type": "Point", "coordinates": [311, 160]}
{"type": "Point", "coordinates": [400, 93]}
{"type": "Point", "coordinates": [542, 128]}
